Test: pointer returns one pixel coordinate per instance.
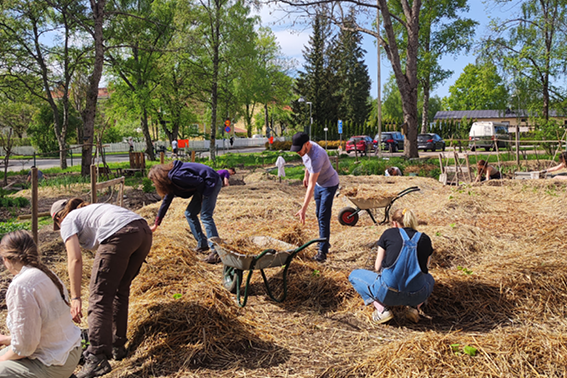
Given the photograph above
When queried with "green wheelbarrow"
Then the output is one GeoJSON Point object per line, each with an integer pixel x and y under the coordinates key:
{"type": "Point", "coordinates": [235, 264]}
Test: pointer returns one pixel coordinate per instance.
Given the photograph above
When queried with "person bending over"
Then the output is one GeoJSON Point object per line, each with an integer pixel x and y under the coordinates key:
{"type": "Point", "coordinates": [488, 171]}
{"type": "Point", "coordinates": [122, 240]}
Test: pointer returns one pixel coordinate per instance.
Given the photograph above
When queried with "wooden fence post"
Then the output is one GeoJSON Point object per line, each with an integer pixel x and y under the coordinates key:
{"type": "Point", "coordinates": [161, 157]}
{"type": "Point", "coordinates": [34, 196]}
{"type": "Point", "coordinates": [93, 183]}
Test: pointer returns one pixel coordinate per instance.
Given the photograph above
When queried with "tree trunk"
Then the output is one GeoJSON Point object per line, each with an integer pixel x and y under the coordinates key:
{"type": "Point", "coordinates": [425, 108]}
{"type": "Point", "coordinates": [147, 136]}
{"type": "Point", "coordinates": [92, 94]}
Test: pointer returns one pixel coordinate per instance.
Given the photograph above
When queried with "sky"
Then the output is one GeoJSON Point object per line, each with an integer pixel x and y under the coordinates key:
{"type": "Point", "coordinates": [293, 40]}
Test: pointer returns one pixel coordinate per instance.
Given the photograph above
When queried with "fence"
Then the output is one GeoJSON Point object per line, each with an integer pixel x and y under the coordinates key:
{"type": "Point", "coordinates": [141, 146]}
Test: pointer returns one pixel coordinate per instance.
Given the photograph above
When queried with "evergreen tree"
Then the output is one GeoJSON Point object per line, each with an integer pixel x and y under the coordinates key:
{"type": "Point", "coordinates": [312, 85]}
{"type": "Point", "coordinates": [352, 74]}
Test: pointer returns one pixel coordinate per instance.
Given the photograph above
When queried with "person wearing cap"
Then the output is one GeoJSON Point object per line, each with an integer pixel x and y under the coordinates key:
{"type": "Point", "coordinates": [322, 182]}
{"type": "Point", "coordinates": [199, 182]}
{"type": "Point", "coordinates": [122, 240]}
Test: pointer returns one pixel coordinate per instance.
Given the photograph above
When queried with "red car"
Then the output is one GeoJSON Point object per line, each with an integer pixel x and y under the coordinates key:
{"type": "Point", "coordinates": [363, 144]}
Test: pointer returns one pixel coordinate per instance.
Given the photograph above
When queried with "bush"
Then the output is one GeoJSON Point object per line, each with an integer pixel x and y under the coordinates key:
{"type": "Point", "coordinates": [147, 185]}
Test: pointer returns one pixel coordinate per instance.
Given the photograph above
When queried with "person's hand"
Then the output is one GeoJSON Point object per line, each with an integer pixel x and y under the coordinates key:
{"type": "Point", "coordinates": [301, 215]}
{"type": "Point", "coordinates": [76, 310]}
{"type": "Point", "coordinates": [305, 182]}
{"type": "Point", "coordinates": [153, 227]}
{"type": "Point", "coordinates": [5, 340]}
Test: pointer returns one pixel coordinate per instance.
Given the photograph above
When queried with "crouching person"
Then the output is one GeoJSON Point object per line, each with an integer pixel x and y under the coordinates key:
{"type": "Point", "coordinates": [402, 277]}
{"type": "Point", "coordinates": [122, 240]}
{"type": "Point", "coordinates": [43, 340]}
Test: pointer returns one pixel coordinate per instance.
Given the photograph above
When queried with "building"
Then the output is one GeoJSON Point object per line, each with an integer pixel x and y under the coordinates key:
{"type": "Point", "coordinates": [508, 117]}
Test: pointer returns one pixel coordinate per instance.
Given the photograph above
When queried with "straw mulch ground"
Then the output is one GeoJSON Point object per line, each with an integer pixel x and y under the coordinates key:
{"type": "Point", "coordinates": [500, 266]}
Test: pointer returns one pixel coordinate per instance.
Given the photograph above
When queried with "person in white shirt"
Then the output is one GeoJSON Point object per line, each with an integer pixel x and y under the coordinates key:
{"type": "Point", "coordinates": [43, 340]}
{"type": "Point", "coordinates": [122, 240]}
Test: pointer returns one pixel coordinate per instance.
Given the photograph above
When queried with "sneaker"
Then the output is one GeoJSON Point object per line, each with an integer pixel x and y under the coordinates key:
{"type": "Point", "coordinates": [412, 314]}
{"type": "Point", "coordinates": [320, 257]}
{"type": "Point", "coordinates": [118, 353]}
{"type": "Point", "coordinates": [95, 366]}
{"type": "Point", "coordinates": [201, 249]}
{"type": "Point", "coordinates": [382, 317]}
{"type": "Point", "coordinates": [212, 258]}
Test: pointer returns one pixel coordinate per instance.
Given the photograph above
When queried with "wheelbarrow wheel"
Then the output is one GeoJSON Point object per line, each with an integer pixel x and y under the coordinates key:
{"type": "Point", "coordinates": [348, 216]}
{"type": "Point", "coordinates": [229, 278]}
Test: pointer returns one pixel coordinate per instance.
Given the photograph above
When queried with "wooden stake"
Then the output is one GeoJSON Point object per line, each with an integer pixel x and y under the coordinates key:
{"type": "Point", "coordinates": [34, 205]}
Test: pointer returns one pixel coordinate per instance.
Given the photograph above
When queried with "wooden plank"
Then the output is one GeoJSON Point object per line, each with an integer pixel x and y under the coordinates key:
{"type": "Point", "coordinates": [106, 184]}
{"type": "Point", "coordinates": [30, 216]}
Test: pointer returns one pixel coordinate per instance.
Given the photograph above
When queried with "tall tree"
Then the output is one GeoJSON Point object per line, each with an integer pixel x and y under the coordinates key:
{"type": "Point", "coordinates": [404, 67]}
{"type": "Point", "coordinates": [222, 35]}
{"type": "Point", "coordinates": [353, 79]}
{"type": "Point", "coordinates": [312, 84]}
{"type": "Point", "coordinates": [442, 31]}
{"type": "Point", "coordinates": [44, 70]}
{"type": "Point", "coordinates": [145, 33]}
{"type": "Point", "coordinates": [531, 47]}
{"type": "Point", "coordinates": [479, 87]}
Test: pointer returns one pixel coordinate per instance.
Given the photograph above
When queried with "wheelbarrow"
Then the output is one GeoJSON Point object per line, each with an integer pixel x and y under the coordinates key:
{"type": "Point", "coordinates": [234, 264]}
{"type": "Point", "coordinates": [348, 216]}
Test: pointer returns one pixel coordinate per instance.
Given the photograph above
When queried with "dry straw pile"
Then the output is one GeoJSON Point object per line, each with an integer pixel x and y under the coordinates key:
{"type": "Point", "coordinates": [500, 267]}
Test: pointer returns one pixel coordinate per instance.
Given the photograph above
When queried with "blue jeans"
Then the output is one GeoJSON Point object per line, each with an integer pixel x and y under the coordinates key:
{"type": "Point", "coordinates": [205, 206]}
{"type": "Point", "coordinates": [366, 283]}
{"type": "Point", "coordinates": [324, 206]}
{"type": "Point", "coordinates": [362, 281]}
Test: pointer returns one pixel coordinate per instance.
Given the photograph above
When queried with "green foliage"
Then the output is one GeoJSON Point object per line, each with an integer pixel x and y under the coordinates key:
{"type": "Point", "coordinates": [479, 87]}
{"type": "Point", "coordinates": [42, 133]}
{"type": "Point", "coordinates": [467, 349]}
{"type": "Point", "coordinates": [549, 130]}
{"type": "Point", "coordinates": [7, 227]}
{"type": "Point", "coordinates": [147, 185]}
{"type": "Point", "coordinates": [464, 270]}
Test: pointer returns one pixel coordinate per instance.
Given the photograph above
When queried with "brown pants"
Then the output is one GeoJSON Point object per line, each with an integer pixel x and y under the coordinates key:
{"type": "Point", "coordinates": [117, 261]}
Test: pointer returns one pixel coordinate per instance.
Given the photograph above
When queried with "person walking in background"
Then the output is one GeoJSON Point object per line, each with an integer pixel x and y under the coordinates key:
{"type": "Point", "coordinates": [122, 240]}
{"type": "Point", "coordinates": [199, 182]}
{"type": "Point", "coordinates": [174, 147]}
{"type": "Point", "coordinates": [322, 182]}
{"type": "Point", "coordinates": [402, 277]}
{"type": "Point", "coordinates": [43, 340]}
{"type": "Point", "coordinates": [225, 175]}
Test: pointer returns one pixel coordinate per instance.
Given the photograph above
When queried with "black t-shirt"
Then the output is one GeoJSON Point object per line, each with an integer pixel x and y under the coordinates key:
{"type": "Point", "coordinates": [392, 242]}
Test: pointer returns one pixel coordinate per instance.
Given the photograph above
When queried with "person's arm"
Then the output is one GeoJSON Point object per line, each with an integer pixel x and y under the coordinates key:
{"type": "Point", "coordinates": [11, 355]}
{"type": "Point", "coordinates": [379, 258]}
{"type": "Point", "coordinates": [226, 181]}
{"type": "Point", "coordinates": [311, 180]}
{"type": "Point", "coordinates": [162, 210]}
{"type": "Point", "coordinates": [5, 340]}
{"type": "Point", "coordinates": [75, 268]}
{"type": "Point", "coordinates": [556, 168]}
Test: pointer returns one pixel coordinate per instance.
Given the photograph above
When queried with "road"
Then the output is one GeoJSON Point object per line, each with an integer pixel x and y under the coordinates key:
{"type": "Point", "coordinates": [41, 164]}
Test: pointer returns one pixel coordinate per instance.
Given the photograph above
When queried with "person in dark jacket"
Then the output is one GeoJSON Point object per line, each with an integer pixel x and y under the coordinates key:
{"type": "Point", "coordinates": [190, 180]}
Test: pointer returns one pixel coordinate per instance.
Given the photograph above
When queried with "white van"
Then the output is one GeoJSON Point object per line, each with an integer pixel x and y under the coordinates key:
{"type": "Point", "coordinates": [488, 135]}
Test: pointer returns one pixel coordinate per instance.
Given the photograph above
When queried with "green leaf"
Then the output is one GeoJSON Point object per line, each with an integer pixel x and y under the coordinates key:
{"type": "Point", "coordinates": [455, 348]}
{"type": "Point", "coordinates": [177, 296]}
{"type": "Point", "coordinates": [315, 273]}
{"type": "Point", "coordinates": [471, 351]}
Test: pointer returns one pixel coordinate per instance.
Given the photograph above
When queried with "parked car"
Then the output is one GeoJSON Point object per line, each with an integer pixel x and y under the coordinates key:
{"type": "Point", "coordinates": [489, 135]}
{"type": "Point", "coordinates": [363, 144]}
{"type": "Point", "coordinates": [393, 138]}
{"type": "Point", "coordinates": [430, 141]}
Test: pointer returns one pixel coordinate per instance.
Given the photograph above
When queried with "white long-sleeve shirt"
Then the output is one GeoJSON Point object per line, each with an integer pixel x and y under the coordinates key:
{"type": "Point", "coordinates": [39, 321]}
